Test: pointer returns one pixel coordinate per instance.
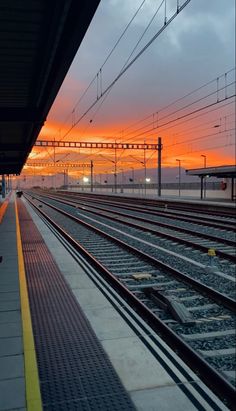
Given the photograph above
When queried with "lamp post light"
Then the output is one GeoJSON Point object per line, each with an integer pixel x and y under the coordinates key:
{"type": "Point", "coordinates": [85, 180]}
{"type": "Point", "coordinates": [179, 161]}
{"type": "Point", "coordinates": [147, 181]}
{"type": "Point", "coordinates": [203, 155]}
{"type": "Point", "coordinates": [204, 159]}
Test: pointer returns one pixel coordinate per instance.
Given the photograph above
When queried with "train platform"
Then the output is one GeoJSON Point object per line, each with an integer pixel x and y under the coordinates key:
{"type": "Point", "coordinates": [67, 343]}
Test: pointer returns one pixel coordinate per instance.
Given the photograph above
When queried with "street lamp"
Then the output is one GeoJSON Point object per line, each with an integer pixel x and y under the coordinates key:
{"type": "Point", "coordinates": [85, 181]}
{"type": "Point", "coordinates": [203, 155]}
{"type": "Point", "coordinates": [179, 161]}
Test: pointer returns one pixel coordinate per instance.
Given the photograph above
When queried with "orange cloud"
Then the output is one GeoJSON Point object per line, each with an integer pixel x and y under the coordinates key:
{"type": "Point", "coordinates": [187, 140]}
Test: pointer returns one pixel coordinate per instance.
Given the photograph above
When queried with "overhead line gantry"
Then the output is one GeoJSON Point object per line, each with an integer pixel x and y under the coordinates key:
{"type": "Point", "coordinates": [60, 165]}
{"type": "Point", "coordinates": [83, 144]}
{"type": "Point", "coordinates": [112, 146]}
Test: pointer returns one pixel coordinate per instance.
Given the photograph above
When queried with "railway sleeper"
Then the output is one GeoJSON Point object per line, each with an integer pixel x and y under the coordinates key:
{"type": "Point", "coordinates": [208, 335]}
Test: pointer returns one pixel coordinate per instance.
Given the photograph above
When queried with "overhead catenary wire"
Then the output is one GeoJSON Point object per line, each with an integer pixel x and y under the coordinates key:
{"type": "Point", "coordinates": [132, 52]}
{"type": "Point", "coordinates": [142, 35]}
{"type": "Point", "coordinates": [192, 140]}
{"type": "Point", "coordinates": [199, 126]}
{"type": "Point", "coordinates": [186, 133]}
{"type": "Point", "coordinates": [199, 150]}
{"type": "Point", "coordinates": [72, 113]}
{"type": "Point", "coordinates": [182, 108]}
{"type": "Point", "coordinates": [99, 72]}
{"type": "Point", "coordinates": [199, 115]}
{"type": "Point", "coordinates": [179, 99]}
{"type": "Point", "coordinates": [182, 117]}
{"type": "Point", "coordinates": [129, 65]}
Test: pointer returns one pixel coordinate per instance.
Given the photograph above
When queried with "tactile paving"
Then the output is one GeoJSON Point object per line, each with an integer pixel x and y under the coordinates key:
{"type": "Point", "coordinates": [74, 370]}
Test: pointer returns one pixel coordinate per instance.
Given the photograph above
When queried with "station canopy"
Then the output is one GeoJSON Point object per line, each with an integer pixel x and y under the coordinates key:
{"type": "Point", "coordinates": [38, 41]}
{"type": "Point", "coordinates": [219, 172]}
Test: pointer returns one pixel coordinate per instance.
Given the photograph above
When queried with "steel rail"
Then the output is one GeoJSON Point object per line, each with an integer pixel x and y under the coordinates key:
{"type": "Point", "coordinates": [165, 225]}
{"type": "Point", "coordinates": [158, 233]}
{"type": "Point", "coordinates": [172, 215]}
{"type": "Point", "coordinates": [204, 208]}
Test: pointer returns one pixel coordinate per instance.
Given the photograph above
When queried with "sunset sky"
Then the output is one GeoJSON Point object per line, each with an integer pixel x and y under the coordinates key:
{"type": "Point", "coordinates": [195, 49]}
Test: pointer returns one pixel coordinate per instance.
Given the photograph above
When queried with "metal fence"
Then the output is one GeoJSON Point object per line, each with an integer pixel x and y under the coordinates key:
{"type": "Point", "coordinates": [210, 185]}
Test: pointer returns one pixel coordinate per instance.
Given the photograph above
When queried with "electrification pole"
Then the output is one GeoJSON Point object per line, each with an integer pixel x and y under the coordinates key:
{"type": "Point", "coordinates": [91, 176]}
{"type": "Point", "coordinates": [115, 174]}
{"type": "Point", "coordinates": [204, 157]}
{"type": "Point", "coordinates": [54, 162]}
{"type": "Point", "coordinates": [145, 168]}
{"type": "Point", "coordinates": [179, 161]}
{"type": "Point", "coordinates": [159, 148]}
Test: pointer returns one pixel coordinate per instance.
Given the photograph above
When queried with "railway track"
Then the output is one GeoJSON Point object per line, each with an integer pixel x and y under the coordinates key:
{"type": "Point", "coordinates": [225, 247]}
{"type": "Point", "coordinates": [200, 208]}
{"type": "Point", "coordinates": [194, 319]}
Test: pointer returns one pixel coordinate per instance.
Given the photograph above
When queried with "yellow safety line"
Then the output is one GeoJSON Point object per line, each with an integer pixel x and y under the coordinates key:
{"type": "Point", "coordinates": [33, 395]}
{"type": "Point", "coordinates": [3, 208]}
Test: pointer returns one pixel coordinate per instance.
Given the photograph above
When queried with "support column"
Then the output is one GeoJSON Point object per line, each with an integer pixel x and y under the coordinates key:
{"type": "Point", "coordinates": [8, 183]}
{"type": "Point", "coordinates": [201, 187]}
{"type": "Point", "coordinates": [3, 186]}
{"type": "Point", "coordinates": [91, 176]}
{"type": "Point", "coordinates": [115, 173]}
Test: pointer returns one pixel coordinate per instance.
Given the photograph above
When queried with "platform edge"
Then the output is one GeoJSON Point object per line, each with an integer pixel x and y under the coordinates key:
{"type": "Point", "coordinates": [33, 394]}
